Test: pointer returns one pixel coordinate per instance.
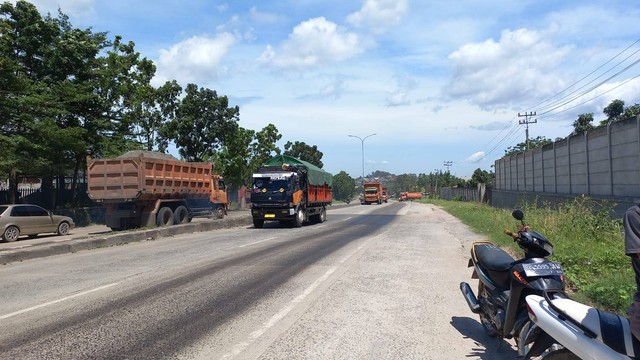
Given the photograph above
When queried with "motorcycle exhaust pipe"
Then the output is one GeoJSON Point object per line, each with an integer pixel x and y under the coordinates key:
{"type": "Point", "coordinates": [472, 301]}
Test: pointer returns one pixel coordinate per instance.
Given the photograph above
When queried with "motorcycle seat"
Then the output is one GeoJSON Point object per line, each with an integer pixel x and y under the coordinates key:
{"type": "Point", "coordinates": [492, 257]}
{"type": "Point", "coordinates": [611, 329]}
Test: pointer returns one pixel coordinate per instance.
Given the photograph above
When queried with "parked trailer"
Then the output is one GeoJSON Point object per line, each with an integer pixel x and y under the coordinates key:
{"type": "Point", "coordinates": [290, 191]}
{"type": "Point", "coordinates": [148, 189]}
{"type": "Point", "coordinates": [407, 196]}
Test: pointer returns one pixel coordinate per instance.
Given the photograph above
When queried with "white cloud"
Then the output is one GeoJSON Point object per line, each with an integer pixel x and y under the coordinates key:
{"type": "Point", "coordinates": [476, 156]}
{"type": "Point", "coordinates": [314, 42]}
{"type": "Point", "coordinates": [401, 96]}
{"type": "Point", "coordinates": [379, 15]}
{"type": "Point", "coordinates": [195, 59]}
{"type": "Point", "coordinates": [516, 69]}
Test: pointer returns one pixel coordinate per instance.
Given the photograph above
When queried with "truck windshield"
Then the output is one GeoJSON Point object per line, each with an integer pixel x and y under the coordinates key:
{"type": "Point", "coordinates": [371, 191]}
{"type": "Point", "coordinates": [269, 185]}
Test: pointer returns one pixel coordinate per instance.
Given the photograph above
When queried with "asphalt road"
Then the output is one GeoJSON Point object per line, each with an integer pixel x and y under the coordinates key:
{"type": "Point", "coordinates": [373, 282]}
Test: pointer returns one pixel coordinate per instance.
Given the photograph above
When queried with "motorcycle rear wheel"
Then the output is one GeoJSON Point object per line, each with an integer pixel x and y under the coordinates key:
{"type": "Point", "coordinates": [488, 326]}
{"type": "Point", "coordinates": [555, 352]}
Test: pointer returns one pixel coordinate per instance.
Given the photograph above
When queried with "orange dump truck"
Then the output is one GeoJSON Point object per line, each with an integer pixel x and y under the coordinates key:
{"type": "Point", "coordinates": [406, 196]}
{"type": "Point", "coordinates": [385, 194]}
{"type": "Point", "coordinates": [290, 191]}
{"type": "Point", "coordinates": [372, 193]}
{"type": "Point", "coordinates": [145, 188]}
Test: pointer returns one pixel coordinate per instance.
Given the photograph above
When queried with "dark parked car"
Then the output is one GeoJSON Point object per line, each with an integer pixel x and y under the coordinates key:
{"type": "Point", "coordinates": [31, 220]}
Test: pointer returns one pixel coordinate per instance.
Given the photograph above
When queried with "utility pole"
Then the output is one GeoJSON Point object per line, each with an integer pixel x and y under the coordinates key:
{"type": "Point", "coordinates": [526, 122]}
{"type": "Point", "coordinates": [448, 164]}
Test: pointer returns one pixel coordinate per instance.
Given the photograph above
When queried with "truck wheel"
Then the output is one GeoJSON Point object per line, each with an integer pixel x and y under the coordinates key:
{"type": "Point", "coordinates": [164, 217]}
{"type": "Point", "coordinates": [181, 215]}
{"type": "Point", "coordinates": [219, 212]}
{"type": "Point", "coordinates": [258, 223]}
{"type": "Point", "coordinates": [322, 217]}
{"type": "Point", "coordinates": [299, 218]}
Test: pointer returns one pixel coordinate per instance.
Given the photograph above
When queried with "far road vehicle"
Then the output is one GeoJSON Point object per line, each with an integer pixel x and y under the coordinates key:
{"type": "Point", "coordinates": [31, 220]}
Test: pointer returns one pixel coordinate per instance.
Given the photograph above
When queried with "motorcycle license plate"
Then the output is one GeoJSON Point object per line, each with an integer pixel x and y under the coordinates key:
{"type": "Point", "coordinates": [543, 269]}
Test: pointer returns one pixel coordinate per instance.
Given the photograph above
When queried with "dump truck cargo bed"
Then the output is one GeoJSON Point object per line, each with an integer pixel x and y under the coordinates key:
{"type": "Point", "coordinates": [143, 177]}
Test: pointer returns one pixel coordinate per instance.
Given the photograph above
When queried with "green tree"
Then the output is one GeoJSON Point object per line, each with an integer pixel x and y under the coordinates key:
{"type": "Point", "coordinates": [481, 177]}
{"type": "Point", "coordinates": [407, 182]}
{"type": "Point", "coordinates": [521, 147]}
{"type": "Point", "coordinates": [234, 158]}
{"type": "Point", "coordinates": [245, 151]}
{"type": "Point", "coordinates": [152, 108]}
{"type": "Point", "coordinates": [583, 123]}
{"type": "Point", "coordinates": [613, 111]}
{"type": "Point", "coordinates": [264, 146]}
{"type": "Point", "coordinates": [203, 122]}
{"type": "Point", "coordinates": [45, 66]}
{"type": "Point", "coordinates": [344, 187]}
{"type": "Point", "coordinates": [631, 111]}
{"type": "Point", "coordinates": [305, 152]}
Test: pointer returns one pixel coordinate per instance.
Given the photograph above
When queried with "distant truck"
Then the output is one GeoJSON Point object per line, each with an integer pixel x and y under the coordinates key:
{"type": "Point", "coordinates": [385, 194]}
{"type": "Point", "coordinates": [407, 196]}
{"type": "Point", "coordinates": [372, 193]}
{"type": "Point", "coordinates": [148, 189]}
{"type": "Point", "coordinates": [290, 191]}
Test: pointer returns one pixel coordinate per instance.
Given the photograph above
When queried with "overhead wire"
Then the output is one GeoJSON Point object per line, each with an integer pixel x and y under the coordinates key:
{"type": "Point", "coordinates": [556, 104]}
{"type": "Point", "coordinates": [586, 76]}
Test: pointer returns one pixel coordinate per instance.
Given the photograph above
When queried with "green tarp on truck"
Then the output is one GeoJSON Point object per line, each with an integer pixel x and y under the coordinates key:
{"type": "Point", "coordinates": [316, 175]}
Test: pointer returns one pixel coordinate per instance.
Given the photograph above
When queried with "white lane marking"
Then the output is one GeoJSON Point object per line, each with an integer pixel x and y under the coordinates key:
{"type": "Point", "coordinates": [56, 301]}
{"type": "Point", "coordinates": [363, 211]}
{"type": "Point", "coordinates": [255, 335]}
{"type": "Point", "coordinates": [347, 218]}
{"type": "Point", "coordinates": [257, 242]}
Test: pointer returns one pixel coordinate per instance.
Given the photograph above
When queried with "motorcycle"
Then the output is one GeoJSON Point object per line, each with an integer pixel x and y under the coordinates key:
{"type": "Point", "coordinates": [585, 332]}
{"type": "Point", "coordinates": [504, 282]}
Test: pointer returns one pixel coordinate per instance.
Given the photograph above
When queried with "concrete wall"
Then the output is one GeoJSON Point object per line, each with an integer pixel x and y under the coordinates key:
{"type": "Point", "coordinates": [602, 164]}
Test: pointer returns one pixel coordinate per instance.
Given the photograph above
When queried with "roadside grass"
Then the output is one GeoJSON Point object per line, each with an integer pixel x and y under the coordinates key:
{"type": "Point", "coordinates": [588, 243]}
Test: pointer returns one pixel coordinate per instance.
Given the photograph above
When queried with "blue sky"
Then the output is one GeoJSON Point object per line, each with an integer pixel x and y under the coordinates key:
{"type": "Point", "coordinates": [436, 81]}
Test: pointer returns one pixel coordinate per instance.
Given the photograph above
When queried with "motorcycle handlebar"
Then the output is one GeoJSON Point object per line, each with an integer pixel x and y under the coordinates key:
{"type": "Point", "coordinates": [511, 233]}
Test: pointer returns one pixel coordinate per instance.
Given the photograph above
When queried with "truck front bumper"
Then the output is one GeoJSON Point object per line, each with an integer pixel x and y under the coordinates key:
{"type": "Point", "coordinates": [272, 213]}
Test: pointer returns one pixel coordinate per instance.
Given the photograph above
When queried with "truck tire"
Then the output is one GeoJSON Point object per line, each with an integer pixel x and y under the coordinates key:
{"type": "Point", "coordinates": [164, 217]}
{"type": "Point", "coordinates": [181, 215]}
{"type": "Point", "coordinates": [322, 217]}
{"type": "Point", "coordinates": [258, 223]}
{"type": "Point", "coordinates": [219, 212]}
{"type": "Point", "coordinates": [298, 218]}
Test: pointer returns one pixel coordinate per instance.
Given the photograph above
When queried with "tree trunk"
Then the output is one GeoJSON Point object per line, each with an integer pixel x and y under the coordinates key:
{"type": "Point", "coordinates": [13, 186]}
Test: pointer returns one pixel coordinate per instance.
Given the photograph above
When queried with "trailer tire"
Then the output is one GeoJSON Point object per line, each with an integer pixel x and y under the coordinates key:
{"type": "Point", "coordinates": [164, 217]}
{"type": "Point", "coordinates": [181, 215]}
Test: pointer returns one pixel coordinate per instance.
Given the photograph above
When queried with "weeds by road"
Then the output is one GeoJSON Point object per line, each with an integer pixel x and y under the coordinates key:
{"type": "Point", "coordinates": [587, 240]}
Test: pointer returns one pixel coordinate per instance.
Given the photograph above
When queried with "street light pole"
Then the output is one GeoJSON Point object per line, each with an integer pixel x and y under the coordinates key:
{"type": "Point", "coordinates": [362, 141]}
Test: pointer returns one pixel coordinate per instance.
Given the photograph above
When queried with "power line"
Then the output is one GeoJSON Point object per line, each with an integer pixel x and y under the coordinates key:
{"type": "Point", "coordinates": [586, 76]}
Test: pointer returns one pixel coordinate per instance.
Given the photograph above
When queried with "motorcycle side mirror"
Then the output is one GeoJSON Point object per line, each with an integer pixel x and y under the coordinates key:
{"type": "Point", "coordinates": [518, 214]}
